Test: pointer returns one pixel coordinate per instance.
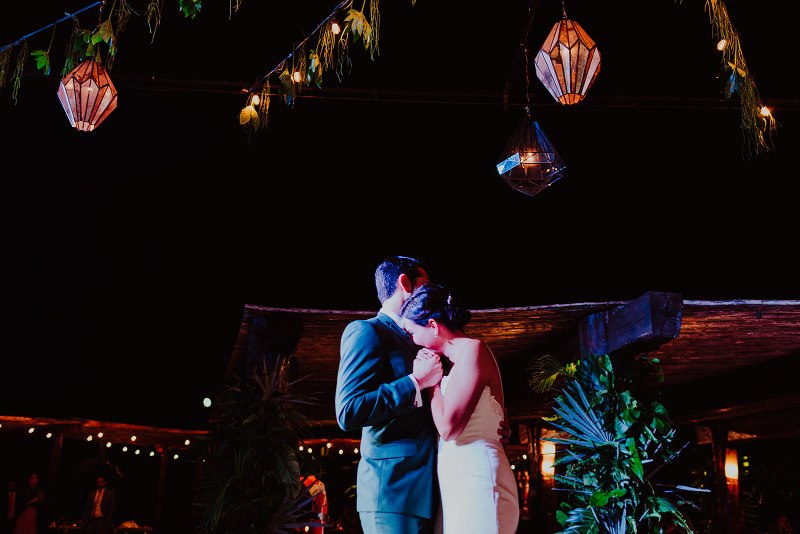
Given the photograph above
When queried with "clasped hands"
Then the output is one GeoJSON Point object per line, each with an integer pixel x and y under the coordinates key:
{"type": "Point", "coordinates": [427, 368]}
{"type": "Point", "coordinates": [428, 372]}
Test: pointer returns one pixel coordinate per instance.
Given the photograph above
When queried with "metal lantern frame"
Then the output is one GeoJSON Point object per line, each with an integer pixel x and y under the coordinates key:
{"type": "Point", "coordinates": [530, 164]}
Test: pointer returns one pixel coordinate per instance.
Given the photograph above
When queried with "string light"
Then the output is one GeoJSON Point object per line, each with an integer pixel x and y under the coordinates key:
{"type": "Point", "coordinates": [335, 28]}
{"type": "Point", "coordinates": [89, 437]}
{"type": "Point", "coordinates": [125, 449]}
{"type": "Point", "coordinates": [176, 456]}
{"type": "Point", "coordinates": [329, 444]}
{"type": "Point", "coordinates": [108, 444]}
{"type": "Point", "coordinates": [255, 100]}
{"type": "Point", "coordinates": [207, 402]}
{"type": "Point", "coordinates": [49, 435]}
{"type": "Point", "coordinates": [137, 451]}
{"type": "Point", "coordinates": [152, 453]}
{"type": "Point", "coordinates": [765, 112]}
{"type": "Point", "coordinates": [187, 442]}
{"type": "Point", "coordinates": [297, 77]}
{"type": "Point", "coordinates": [99, 434]}
{"type": "Point", "coordinates": [133, 438]}
{"type": "Point", "coordinates": [30, 430]}
{"type": "Point", "coordinates": [722, 44]}
{"type": "Point", "coordinates": [300, 448]}
{"type": "Point", "coordinates": [341, 451]}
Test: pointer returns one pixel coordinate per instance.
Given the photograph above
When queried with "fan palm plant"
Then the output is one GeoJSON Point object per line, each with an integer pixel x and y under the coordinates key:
{"type": "Point", "coordinates": [251, 479]}
{"type": "Point", "coordinates": [613, 446]}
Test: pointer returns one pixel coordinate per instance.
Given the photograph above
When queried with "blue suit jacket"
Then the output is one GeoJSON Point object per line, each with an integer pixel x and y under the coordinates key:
{"type": "Point", "coordinates": [396, 472]}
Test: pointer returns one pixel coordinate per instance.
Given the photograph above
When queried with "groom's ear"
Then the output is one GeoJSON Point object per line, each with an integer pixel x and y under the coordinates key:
{"type": "Point", "coordinates": [404, 283]}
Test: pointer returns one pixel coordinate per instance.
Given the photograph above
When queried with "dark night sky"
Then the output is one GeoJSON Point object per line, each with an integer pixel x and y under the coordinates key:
{"type": "Point", "coordinates": [130, 252]}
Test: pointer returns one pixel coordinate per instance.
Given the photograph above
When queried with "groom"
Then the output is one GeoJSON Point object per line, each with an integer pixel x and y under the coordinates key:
{"type": "Point", "coordinates": [378, 390]}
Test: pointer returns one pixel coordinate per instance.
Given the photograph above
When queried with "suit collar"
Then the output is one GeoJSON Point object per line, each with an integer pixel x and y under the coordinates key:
{"type": "Point", "coordinates": [392, 325]}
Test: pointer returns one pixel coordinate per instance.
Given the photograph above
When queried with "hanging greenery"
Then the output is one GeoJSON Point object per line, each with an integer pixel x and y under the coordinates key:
{"type": "Point", "coordinates": [305, 67]}
{"type": "Point", "coordinates": [757, 122]}
{"type": "Point", "coordinates": [614, 445]}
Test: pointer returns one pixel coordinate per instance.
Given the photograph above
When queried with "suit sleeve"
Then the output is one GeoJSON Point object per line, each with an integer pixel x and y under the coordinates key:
{"type": "Point", "coordinates": [362, 398]}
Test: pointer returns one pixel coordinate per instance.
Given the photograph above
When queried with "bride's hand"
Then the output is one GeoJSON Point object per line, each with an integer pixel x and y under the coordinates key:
{"type": "Point", "coordinates": [426, 354]}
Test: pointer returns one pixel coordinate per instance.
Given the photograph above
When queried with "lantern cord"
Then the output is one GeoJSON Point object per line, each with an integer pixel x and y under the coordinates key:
{"type": "Point", "coordinates": [282, 62]}
{"type": "Point", "coordinates": [66, 16]}
{"type": "Point", "coordinates": [523, 48]}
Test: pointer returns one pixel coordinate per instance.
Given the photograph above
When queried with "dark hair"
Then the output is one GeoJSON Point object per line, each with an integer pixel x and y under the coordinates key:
{"type": "Point", "coordinates": [390, 269]}
{"type": "Point", "coordinates": [432, 301]}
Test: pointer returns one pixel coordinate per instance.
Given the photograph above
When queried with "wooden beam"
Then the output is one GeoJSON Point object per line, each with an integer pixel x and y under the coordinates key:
{"type": "Point", "coordinates": [640, 325]}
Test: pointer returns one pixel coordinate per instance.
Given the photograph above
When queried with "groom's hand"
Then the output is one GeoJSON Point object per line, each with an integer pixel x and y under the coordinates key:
{"type": "Point", "coordinates": [504, 431]}
{"type": "Point", "coordinates": [427, 370]}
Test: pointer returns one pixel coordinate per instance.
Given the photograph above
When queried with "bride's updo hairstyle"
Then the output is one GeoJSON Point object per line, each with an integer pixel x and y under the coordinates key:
{"type": "Point", "coordinates": [432, 301]}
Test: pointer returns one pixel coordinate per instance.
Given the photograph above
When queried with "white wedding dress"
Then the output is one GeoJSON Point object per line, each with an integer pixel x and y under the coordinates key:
{"type": "Point", "coordinates": [479, 491]}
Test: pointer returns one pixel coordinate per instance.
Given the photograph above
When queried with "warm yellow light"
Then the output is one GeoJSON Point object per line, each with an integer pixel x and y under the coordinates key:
{"type": "Point", "coordinates": [207, 402]}
{"type": "Point", "coordinates": [524, 456]}
{"type": "Point", "coordinates": [297, 77]}
{"type": "Point", "coordinates": [329, 444]}
{"type": "Point", "coordinates": [335, 28]}
{"type": "Point", "coordinates": [133, 438]}
{"type": "Point", "coordinates": [49, 435]}
{"type": "Point", "coordinates": [722, 44]}
{"type": "Point", "coordinates": [765, 112]}
{"type": "Point", "coordinates": [731, 465]}
{"type": "Point", "coordinates": [355, 451]}
{"type": "Point", "coordinates": [513, 467]}
{"type": "Point", "coordinates": [187, 442]}
{"type": "Point", "coordinates": [300, 448]}
{"type": "Point", "coordinates": [152, 453]}
{"type": "Point", "coordinates": [341, 451]}
{"type": "Point", "coordinates": [306, 529]}
{"type": "Point", "coordinates": [99, 434]}
{"type": "Point", "coordinates": [176, 456]}
{"type": "Point", "coordinates": [89, 437]}
{"type": "Point", "coordinates": [255, 100]}
{"type": "Point", "coordinates": [548, 458]}
{"type": "Point", "coordinates": [137, 451]}
{"type": "Point", "coordinates": [124, 449]}
{"type": "Point", "coordinates": [108, 444]}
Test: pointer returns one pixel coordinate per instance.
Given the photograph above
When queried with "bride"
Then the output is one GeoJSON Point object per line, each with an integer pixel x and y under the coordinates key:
{"type": "Point", "coordinates": [479, 491]}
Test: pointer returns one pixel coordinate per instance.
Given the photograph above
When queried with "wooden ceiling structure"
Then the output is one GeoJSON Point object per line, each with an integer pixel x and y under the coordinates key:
{"type": "Point", "coordinates": [732, 362]}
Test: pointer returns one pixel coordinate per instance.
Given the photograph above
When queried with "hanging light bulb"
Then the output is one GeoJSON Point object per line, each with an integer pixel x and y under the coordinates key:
{"type": "Point", "coordinates": [722, 44]}
{"type": "Point", "coordinates": [335, 28]}
{"type": "Point", "coordinates": [255, 100]}
{"type": "Point", "coordinates": [765, 112]}
{"type": "Point", "coordinates": [297, 76]}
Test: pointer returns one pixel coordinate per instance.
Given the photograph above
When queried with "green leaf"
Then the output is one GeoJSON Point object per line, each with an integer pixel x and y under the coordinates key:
{"type": "Point", "coordinates": [104, 33]}
{"type": "Point", "coordinates": [635, 462]}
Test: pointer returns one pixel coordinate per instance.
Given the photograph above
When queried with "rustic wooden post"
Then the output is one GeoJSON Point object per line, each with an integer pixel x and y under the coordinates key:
{"type": "Point", "coordinates": [719, 444]}
{"type": "Point", "coordinates": [55, 457]}
{"type": "Point", "coordinates": [162, 477]}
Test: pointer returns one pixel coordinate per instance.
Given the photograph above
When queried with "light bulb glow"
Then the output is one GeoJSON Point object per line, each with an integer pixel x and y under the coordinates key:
{"type": "Point", "coordinates": [297, 77]}
{"type": "Point", "coordinates": [764, 111]}
{"type": "Point", "coordinates": [255, 100]}
{"type": "Point", "coordinates": [341, 451]}
{"type": "Point", "coordinates": [30, 430]}
{"type": "Point", "coordinates": [125, 449]}
{"type": "Point", "coordinates": [722, 44]}
{"type": "Point", "coordinates": [137, 451]}
{"type": "Point", "coordinates": [335, 28]}
{"type": "Point", "coordinates": [133, 438]}
{"type": "Point", "coordinates": [49, 435]}
{"type": "Point", "coordinates": [731, 465]}
{"type": "Point", "coordinates": [329, 444]}
{"type": "Point", "coordinates": [152, 453]}
{"type": "Point", "coordinates": [89, 437]}
{"type": "Point", "coordinates": [548, 458]}
{"type": "Point", "coordinates": [187, 442]}
{"type": "Point", "coordinates": [207, 402]}
{"type": "Point", "coordinates": [355, 451]}
{"type": "Point", "coordinates": [99, 434]}
{"type": "Point", "coordinates": [108, 444]}
{"type": "Point", "coordinates": [176, 456]}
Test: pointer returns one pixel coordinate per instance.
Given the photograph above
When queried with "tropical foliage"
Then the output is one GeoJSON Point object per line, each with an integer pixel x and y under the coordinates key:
{"type": "Point", "coordinates": [614, 444]}
{"type": "Point", "coordinates": [252, 476]}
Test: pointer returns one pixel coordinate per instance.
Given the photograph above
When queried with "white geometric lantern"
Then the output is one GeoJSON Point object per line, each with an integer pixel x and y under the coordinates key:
{"type": "Point", "coordinates": [568, 62]}
{"type": "Point", "coordinates": [87, 95]}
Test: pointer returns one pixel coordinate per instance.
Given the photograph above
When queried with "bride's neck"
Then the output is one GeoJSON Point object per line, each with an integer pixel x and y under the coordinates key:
{"type": "Point", "coordinates": [453, 346]}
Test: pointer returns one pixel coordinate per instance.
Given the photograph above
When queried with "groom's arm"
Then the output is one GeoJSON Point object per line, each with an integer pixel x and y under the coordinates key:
{"type": "Point", "coordinates": [362, 399]}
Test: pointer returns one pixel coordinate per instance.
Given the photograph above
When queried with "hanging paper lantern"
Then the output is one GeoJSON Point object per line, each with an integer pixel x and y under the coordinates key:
{"type": "Point", "coordinates": [529, 164]}
{"type": "Point", "coordinates": [87, 94]}
{"type": "Point", "coordinates": [568, 62]}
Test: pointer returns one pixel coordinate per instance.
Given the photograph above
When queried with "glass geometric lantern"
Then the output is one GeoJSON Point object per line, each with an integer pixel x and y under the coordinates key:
{"type": "Point", "coordinates": [568, 62]}
{"type": "Point", "coordinates": [87, 95]}
{"type": "Point", "coordinates": [529, 163]}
